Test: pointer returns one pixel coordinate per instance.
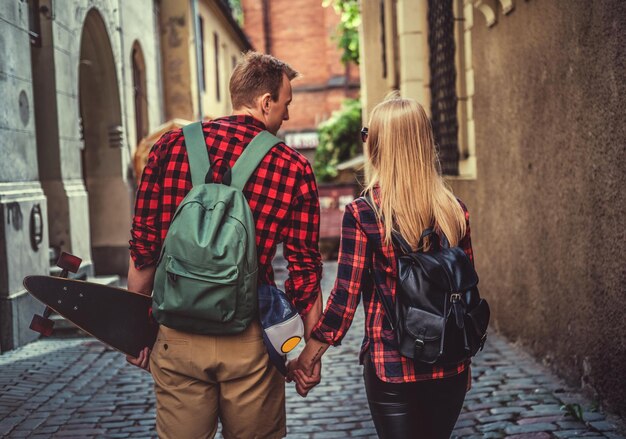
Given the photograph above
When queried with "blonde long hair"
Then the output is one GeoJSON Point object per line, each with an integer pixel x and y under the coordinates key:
{"type": "Point", "coordinates": [403, 163]}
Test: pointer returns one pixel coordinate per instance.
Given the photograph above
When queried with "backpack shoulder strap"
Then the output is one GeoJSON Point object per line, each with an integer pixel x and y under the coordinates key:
{"type": "Point", "coordinates": [199, 164]}
{"type": "Point", "coordinates": [254, 153]}
{"type": "Point", "coordinates": [389, 313]}
{"type": "Point", "coordinates": [396, 238]}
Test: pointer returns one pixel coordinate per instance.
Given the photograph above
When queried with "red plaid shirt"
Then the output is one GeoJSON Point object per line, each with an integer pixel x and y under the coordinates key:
{"type": "Point", "coordinates": [282, 194]}
{"type": "Point", "coordinates": [362, 249]}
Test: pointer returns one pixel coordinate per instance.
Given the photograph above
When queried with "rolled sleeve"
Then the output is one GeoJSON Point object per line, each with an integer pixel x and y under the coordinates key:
{"type": "Point", "coordinates": [301, 250]}
{"type": "Point", "coordinates": [353, 264]}
{"type": "Point", "coordinates": [145, 243]}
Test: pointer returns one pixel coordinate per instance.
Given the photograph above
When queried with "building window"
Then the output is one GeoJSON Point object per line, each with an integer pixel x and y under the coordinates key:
{"type": "Point", "coordinates": [140, 93]}
{"type": "Point", "coordinates": [202, 64]}
{"type": "Point", "coordinates": [463, 22]}
{"type": "Point", "coordinates": [216, 44]}
{"type": "Point", "coordinates": [443, 83]}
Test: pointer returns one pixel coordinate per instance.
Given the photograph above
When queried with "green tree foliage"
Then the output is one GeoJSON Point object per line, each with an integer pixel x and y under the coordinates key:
{"type": "Point", "coordinates": [339, 139]}
{"type": "Point", "coordinates": [348, 28]}
{"type": "Point", "coordinates": [235, 7]}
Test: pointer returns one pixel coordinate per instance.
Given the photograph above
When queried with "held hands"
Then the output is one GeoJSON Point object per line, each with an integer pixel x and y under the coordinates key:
{"type": "Point", "coordinates": [305, 377]}
{"type": "Point", "coordinates": [306, 370]}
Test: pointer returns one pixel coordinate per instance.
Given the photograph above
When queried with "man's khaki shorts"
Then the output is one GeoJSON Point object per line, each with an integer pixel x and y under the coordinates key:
{"type": "Point", "coordinates": [200, 378]}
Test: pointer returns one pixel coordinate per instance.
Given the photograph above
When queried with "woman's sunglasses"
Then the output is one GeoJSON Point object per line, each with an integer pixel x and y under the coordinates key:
{"type": "Point", "coordinates": [364, 132]}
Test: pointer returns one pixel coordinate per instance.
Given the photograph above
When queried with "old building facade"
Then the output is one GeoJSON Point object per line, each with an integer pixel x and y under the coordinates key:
{"type": "Point", "coordinates": [195, 76]}
{"type": "Point", "coordinates": [83, 81]}
{"type": "Point", "coordinates": [525, 100]}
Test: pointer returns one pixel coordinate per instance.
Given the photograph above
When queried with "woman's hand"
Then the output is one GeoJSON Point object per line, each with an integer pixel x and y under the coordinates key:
{"type": "Point", "coordinates": [306, 370]}
{"type": "Point", "coordinates": [305, 381]}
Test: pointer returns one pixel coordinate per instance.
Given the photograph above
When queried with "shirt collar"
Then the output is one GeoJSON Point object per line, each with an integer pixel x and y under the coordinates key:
{"type": "Point", "coordinates": [243, 119]}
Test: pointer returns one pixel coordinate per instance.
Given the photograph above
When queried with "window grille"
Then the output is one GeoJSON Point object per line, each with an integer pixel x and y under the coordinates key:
{"type": "Point", "coordinates": [443, 83]}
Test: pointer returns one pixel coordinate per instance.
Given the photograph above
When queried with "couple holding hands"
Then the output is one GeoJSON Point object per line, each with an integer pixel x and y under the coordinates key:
{"type": "Point", "coordinates": [202, 378]}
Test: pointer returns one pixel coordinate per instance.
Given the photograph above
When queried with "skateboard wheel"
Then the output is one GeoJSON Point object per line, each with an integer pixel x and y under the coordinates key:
{"type": "Point", "coordinates": [69, 262]}
{"type": "Point", "coordinates": [42, 325]}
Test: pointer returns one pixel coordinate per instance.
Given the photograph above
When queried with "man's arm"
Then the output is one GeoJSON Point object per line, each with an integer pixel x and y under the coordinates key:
{"type": "Point", "coordinates": [304, 261]}
{"type": "Point", "coordinates": [140, 281]}
{"type": "Point", "coordinates": [354, 254]}
{"type": "Point", "coordinates": [304, 383]}
{"type": "Point", "coordinates": [312, 317]}
{"type": "Point", "coordinates": [301, 248]}
{"type": "Point", "coordinates": [146, 228]}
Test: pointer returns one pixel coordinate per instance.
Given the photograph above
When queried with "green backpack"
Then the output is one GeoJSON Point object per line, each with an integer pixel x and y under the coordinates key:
{"type": "Point", "coordinates": [206, 277]}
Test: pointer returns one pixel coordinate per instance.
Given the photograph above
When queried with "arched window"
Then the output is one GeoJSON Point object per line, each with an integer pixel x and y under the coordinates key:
{"type": "Point", "coordinates": [140, 92]}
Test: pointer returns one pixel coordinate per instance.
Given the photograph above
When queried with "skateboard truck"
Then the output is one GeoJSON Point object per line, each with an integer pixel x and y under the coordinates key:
{"type": "Point", "coordinates": [42, 324]}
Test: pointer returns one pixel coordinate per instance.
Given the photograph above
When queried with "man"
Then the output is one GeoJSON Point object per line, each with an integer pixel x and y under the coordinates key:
{"type": "Point", "coordinates": [200, 378]}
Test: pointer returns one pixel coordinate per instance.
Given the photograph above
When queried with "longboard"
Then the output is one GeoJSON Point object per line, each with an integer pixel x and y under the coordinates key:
{"type": "Point", "coordinates": [119, 318]}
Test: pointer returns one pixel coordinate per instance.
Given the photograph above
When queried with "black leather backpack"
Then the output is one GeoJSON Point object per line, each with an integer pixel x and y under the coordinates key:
{"type": "Point", "coordinates": [439, 317]}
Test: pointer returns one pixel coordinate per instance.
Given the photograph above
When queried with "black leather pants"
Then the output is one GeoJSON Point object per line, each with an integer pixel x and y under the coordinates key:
{"type": "Point", "coordinates": [421, 410]}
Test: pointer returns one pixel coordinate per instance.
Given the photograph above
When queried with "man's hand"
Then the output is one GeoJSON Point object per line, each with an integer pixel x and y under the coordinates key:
{"type": "Point", "coordinates": [142, 361]}
{"type": "Point", "coordinates": [140, 281]}
{"type": "Point", "coordinates": [304, 381]}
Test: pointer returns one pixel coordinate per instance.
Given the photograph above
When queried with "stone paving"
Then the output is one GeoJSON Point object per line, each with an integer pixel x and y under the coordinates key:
{"type": "Point", "coordinates": [77, 388]}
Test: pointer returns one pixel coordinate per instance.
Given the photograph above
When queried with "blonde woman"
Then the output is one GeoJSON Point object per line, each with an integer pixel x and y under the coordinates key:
{"type": "Point", "coordinates": [409, 195]}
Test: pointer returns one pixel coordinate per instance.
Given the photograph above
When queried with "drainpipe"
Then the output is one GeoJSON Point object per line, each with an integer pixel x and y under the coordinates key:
{"type": "Point", "coordinates": [199, 71]}
{"type": "Point", "coordinates": [267, 27]}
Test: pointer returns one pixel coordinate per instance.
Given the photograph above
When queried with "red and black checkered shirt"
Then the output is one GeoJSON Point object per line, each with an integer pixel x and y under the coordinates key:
{"type": "Point", "coordinates": [362, 249]}
{"type": "Point", "coordinates": [282, 194]}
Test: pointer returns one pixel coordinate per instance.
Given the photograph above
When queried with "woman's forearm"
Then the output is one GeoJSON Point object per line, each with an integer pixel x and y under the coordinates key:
{"type": "Point", "coordinates": [312, 353]}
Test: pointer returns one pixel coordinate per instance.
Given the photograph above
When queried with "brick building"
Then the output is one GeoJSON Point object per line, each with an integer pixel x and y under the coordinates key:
{"type": "Point", "coordinates": [301, 32]}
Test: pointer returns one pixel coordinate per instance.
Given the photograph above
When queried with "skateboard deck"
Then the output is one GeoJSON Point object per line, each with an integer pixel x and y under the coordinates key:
{"type": "Point", "coordinates": [119, 318]}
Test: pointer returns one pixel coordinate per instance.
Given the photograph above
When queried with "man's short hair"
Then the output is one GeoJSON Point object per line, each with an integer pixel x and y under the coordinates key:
{"type": "Point", "coordinates": [255, 75]}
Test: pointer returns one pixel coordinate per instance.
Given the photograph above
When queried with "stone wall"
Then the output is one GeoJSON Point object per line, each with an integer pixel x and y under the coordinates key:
{"type": "Point", "coordinates": [65, 148]}
{"type": "Point", "coordinates": [548, 203]}
{"type": "Point", "coordinates": [540, 87]}
{"type": "Point", "coordinates": [23, 206]}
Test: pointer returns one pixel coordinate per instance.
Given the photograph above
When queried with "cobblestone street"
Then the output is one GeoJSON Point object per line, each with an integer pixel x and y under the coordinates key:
{"type": "Point", "coordinates": [489, 134]}
{"type": "Point", "coordinates": [76, 387]}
